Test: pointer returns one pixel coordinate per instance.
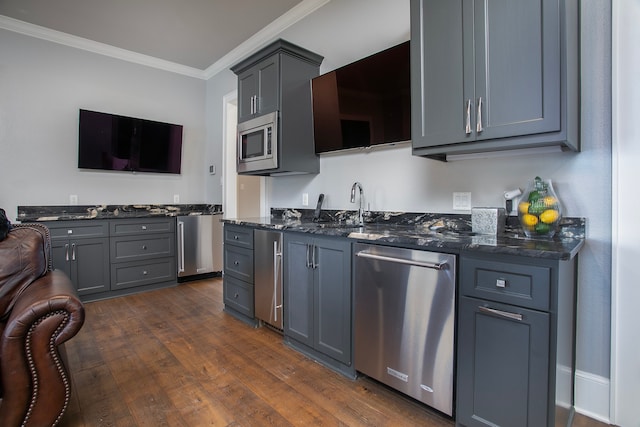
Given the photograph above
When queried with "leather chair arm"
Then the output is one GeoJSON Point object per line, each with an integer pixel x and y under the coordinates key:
{"type": "Point", "coordinates": [45, 315]}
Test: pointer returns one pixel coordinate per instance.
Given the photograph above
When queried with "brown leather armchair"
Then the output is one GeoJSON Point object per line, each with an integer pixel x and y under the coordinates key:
{"type": "Point", "coordinates": [39, 311]}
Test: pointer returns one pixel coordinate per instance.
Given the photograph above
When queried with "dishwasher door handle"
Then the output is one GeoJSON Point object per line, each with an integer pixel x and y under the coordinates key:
{"type": "Point", "coordinates": [432, 265]}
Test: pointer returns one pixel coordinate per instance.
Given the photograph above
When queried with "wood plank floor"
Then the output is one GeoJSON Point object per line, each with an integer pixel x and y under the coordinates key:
{"type": "Point", "coordinates": [173, 358]}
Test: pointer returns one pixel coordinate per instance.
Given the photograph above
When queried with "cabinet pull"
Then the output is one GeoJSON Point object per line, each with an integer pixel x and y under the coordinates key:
{"type": "Point", "coordinates": [308, 262]}
{"type": "Point", "coordinates": [73, 252]}
{"type": "Point", "coordinates": [66, 252]}
{"type": "Point", "coordinates": [314, 264]}
{"type": "Point", "coordinates": [479, 121]}
{"type": "Point", "coordinates": [144, 227]}
{"type": "Point", "coordinates": [500, 313]}
{"type": "Point", "coordinates": [276, 267]}
{"type": "Point", "coordinates": [467, 127]}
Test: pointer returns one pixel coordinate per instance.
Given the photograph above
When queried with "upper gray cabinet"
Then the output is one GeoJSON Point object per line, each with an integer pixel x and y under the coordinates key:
{"type": "Point", "coordinates": [258, 89]}
{"type": "Point", "coordinates": [490, 75]}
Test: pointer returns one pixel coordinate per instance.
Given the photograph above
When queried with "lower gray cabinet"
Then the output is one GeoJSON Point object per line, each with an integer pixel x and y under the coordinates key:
{"type": "Point", "coordinates": [81, 250]}
{"type": "Point", "coordinates": [317, 298]}
{"type": "Point", "coordinates": [515, 351]}
{"type": "Point", "coordinates": [238, 285]}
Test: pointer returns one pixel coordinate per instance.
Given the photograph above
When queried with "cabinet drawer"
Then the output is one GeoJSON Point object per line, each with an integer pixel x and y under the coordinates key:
{"type": "Point", "coordinates": [238, 262]}
{"type": "Point", "coordinates": [142, 247]}
{"type": "Point", "coordinates": [142, 226]}
{"type": "Point", "coordinates": [239, 295]}
{"type": "Point", "coordinates": [238, 236]}
{"type": "Point", "coordinates": [128, 275]}
{"type": "Point", "coordinates": [78, 229]}
{"type": "Point", "coordinates": [510, 283]}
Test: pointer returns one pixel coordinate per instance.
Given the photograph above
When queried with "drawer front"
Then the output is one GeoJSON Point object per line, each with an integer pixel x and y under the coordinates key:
{"type": "Point", "coordinates": [510, 283]}
{"type": "Point", "coordinates": [127, 227]}
{"type": "Point", "coordinates": [78, 229]}
{"type": "Point", "coordinates": [143, 247]}
{"type": "Point", "coordinates": [238, 262]}
{"type": "Point", "coordinates": [239, 295]}
{"type": "Point", "coordinates": [238, 236]}
{"type": "Point", "coordinates": [129, 275]}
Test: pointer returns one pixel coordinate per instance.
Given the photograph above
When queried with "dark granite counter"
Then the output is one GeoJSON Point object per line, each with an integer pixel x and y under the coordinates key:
{"type": "Point", "coordinates": [75, 212]}
{"type": "Point", "coordinates": [428, 231]}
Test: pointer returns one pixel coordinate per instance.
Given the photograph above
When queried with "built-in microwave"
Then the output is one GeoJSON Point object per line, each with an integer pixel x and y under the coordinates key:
{"type": "Point", "coordinates": [258, 143]}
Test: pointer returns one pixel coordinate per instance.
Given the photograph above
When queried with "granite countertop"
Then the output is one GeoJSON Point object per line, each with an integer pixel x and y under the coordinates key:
{"type": "Point", "coordinates": [77, 212]}
{"type": "Point", "coordinates": [428, 231]}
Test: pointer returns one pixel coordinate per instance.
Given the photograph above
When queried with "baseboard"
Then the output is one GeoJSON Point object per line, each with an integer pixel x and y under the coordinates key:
{"type": "Point", "coordinates": [592, 396]}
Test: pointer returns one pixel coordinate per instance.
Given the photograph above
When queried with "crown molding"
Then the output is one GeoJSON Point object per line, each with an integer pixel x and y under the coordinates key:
{"type": "Point", "coordinates": [265, 36]}
{"type": "Point", "coordinates": [59, 37]}
{"type": "Point", "coordinates": [258, 40]}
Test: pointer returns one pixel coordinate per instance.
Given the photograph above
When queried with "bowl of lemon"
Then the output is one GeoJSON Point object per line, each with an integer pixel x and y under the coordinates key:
{"type": "Point", "coordinates": [539, 209]}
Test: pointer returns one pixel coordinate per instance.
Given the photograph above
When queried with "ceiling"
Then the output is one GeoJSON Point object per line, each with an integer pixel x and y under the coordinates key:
{"type": "Point", "coordinates": [191, 35]}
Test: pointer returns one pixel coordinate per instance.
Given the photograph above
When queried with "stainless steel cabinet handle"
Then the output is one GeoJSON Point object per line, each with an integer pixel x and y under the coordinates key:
{"type": "Point", "coordinates": [467, 126]}
{"type": "Point", "coordinates": [308, 256]}
{"type": "Point", "coordinates": [500, 313]}
{"type": "Point", "coordinates": [432, 265]}
{"type": "Point", "coordinates": [314, 264]}
{"type": "Point", "coordinates": [181, 247]}
{"type": "Point", "coordinates": [276, 267]}
{"type": "Point", "coordinates": [73, 252]}
{"type": "Point", "coordinates": [479, 122]}
{"type": "Point", "coordinates": [66, 252]}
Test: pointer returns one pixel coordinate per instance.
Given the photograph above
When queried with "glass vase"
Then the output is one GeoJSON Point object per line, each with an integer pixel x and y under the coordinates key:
{"type": "Point", "coordinates": [539, 210]}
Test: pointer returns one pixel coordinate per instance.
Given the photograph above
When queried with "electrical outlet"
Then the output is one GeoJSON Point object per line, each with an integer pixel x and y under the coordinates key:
{"type": "Point", "coordinates": [305, 199]}
{"type": "Point", "coordinates": [73, 199]}
{"type": "Point", "coordinates": [176, 198]}
{"type": "Point", "coordinates": [462, 201]}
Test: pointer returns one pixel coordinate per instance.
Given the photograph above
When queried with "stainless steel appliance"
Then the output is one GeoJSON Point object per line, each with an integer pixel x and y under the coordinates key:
{"type": "Point", "coordinates": [199, 245]}
{"type": "Point", "coordinates": [404, 321]}
{"type": "Point", "coordinates": [267, 249]}
{"type": "Point", "coordinates": [258, 143]}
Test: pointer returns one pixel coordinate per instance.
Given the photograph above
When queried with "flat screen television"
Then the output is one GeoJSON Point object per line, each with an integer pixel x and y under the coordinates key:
{"type": "Point", "coordinates": [365, 103]}
{"type": "Point", "coordinates": [120, 143]}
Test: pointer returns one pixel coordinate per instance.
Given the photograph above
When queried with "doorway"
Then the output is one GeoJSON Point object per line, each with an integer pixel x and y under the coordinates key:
{"type": "Point", "coordinates": [244, 196]}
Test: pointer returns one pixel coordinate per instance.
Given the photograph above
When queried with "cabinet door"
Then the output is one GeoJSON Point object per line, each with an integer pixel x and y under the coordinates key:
{"type": "Point", "coordinates": [298, 288]}
{"type": "Point", "coordinates": [484, 69]}
{"type": "Point", "coordinates": [442, 78]}
{"type": "Point", "coordinates": [332, 298]}
{"type": "Point", "coordinates": [60, 251]}
{"type": "Point", "coordinates": [247, 89]}
{"type": "Point", "coordinates": [517, 69]}
{"type": "Point", "coordinates": [258, 89]}
{"type": "Point", "coordinates": [503, 365]}
{"type": "Point", "coordinates": [90, 265]}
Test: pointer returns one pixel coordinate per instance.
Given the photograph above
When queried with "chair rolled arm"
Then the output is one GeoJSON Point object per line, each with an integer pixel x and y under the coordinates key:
{"type": "Point", "coordinates": [45, 315]}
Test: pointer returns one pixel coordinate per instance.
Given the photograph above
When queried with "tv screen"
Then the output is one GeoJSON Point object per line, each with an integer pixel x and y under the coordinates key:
{"type": "Point", "coordinates": [365, 103]}
{"type": "Point", "coordinates": [120, 143]}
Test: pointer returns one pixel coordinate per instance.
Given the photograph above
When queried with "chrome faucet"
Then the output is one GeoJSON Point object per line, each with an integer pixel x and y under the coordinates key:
{"type": "Point", "coordinates": [353, 200]}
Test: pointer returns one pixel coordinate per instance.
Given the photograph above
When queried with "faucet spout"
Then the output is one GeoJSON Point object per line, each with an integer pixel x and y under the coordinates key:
{"type": "Point", "coordinates": [357, 185]}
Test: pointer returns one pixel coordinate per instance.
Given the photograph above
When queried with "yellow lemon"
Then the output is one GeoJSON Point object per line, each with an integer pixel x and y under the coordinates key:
{"type": "Point", "coordinates": [549, 216]}
{"type": "Point", "coordinates": [523, 207]}
{"type": "Point", "coordinates": [529, 220]}
{"type": "Point", "coordinates": [550, 201]}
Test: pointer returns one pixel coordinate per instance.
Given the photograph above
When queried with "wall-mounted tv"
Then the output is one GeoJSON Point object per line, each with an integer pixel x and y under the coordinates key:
{"type": "Point", "coordinates": [365, 103]}
{"type": "Point", "coordinates": [120, 143]}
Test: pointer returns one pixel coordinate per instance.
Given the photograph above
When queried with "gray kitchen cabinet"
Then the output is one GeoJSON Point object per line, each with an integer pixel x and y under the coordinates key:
{"type": "Point", "coordinates": [258, 89]}
{"type": "Point", "coordinates": [516, 338]}
{"type": "Point", "coordinates": [238, 271]}
{"type": "Point", "coordinates": [278, 79]}
{"type": "Point", "coordinates": [492, 75]}
{"type": "Point", "coordinates": [317, 298]}
{"type": "Point", "coordinates": [142, 252]}
{"type": "Point", "coordinates": [81, 250]}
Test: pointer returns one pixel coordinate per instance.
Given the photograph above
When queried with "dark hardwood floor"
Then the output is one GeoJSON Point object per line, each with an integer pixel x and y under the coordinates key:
{"type": "Point", "coordinates": [173, 358]}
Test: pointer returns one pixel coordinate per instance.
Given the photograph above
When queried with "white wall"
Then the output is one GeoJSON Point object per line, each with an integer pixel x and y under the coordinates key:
{"type": "Point", "coordinates": [42, 87]}
{"type": "Point", "coordinates": [625, 373]}
{"type": "Point", "coordinates": [344, 31]}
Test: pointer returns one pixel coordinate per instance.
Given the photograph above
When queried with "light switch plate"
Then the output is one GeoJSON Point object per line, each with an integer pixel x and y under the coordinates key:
{"type": "Point", "coordinates": [462, 201]}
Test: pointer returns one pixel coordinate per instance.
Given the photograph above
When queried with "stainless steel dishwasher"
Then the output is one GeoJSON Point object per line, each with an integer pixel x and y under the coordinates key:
{"type": "Point", "coordinates": [404, 321]}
